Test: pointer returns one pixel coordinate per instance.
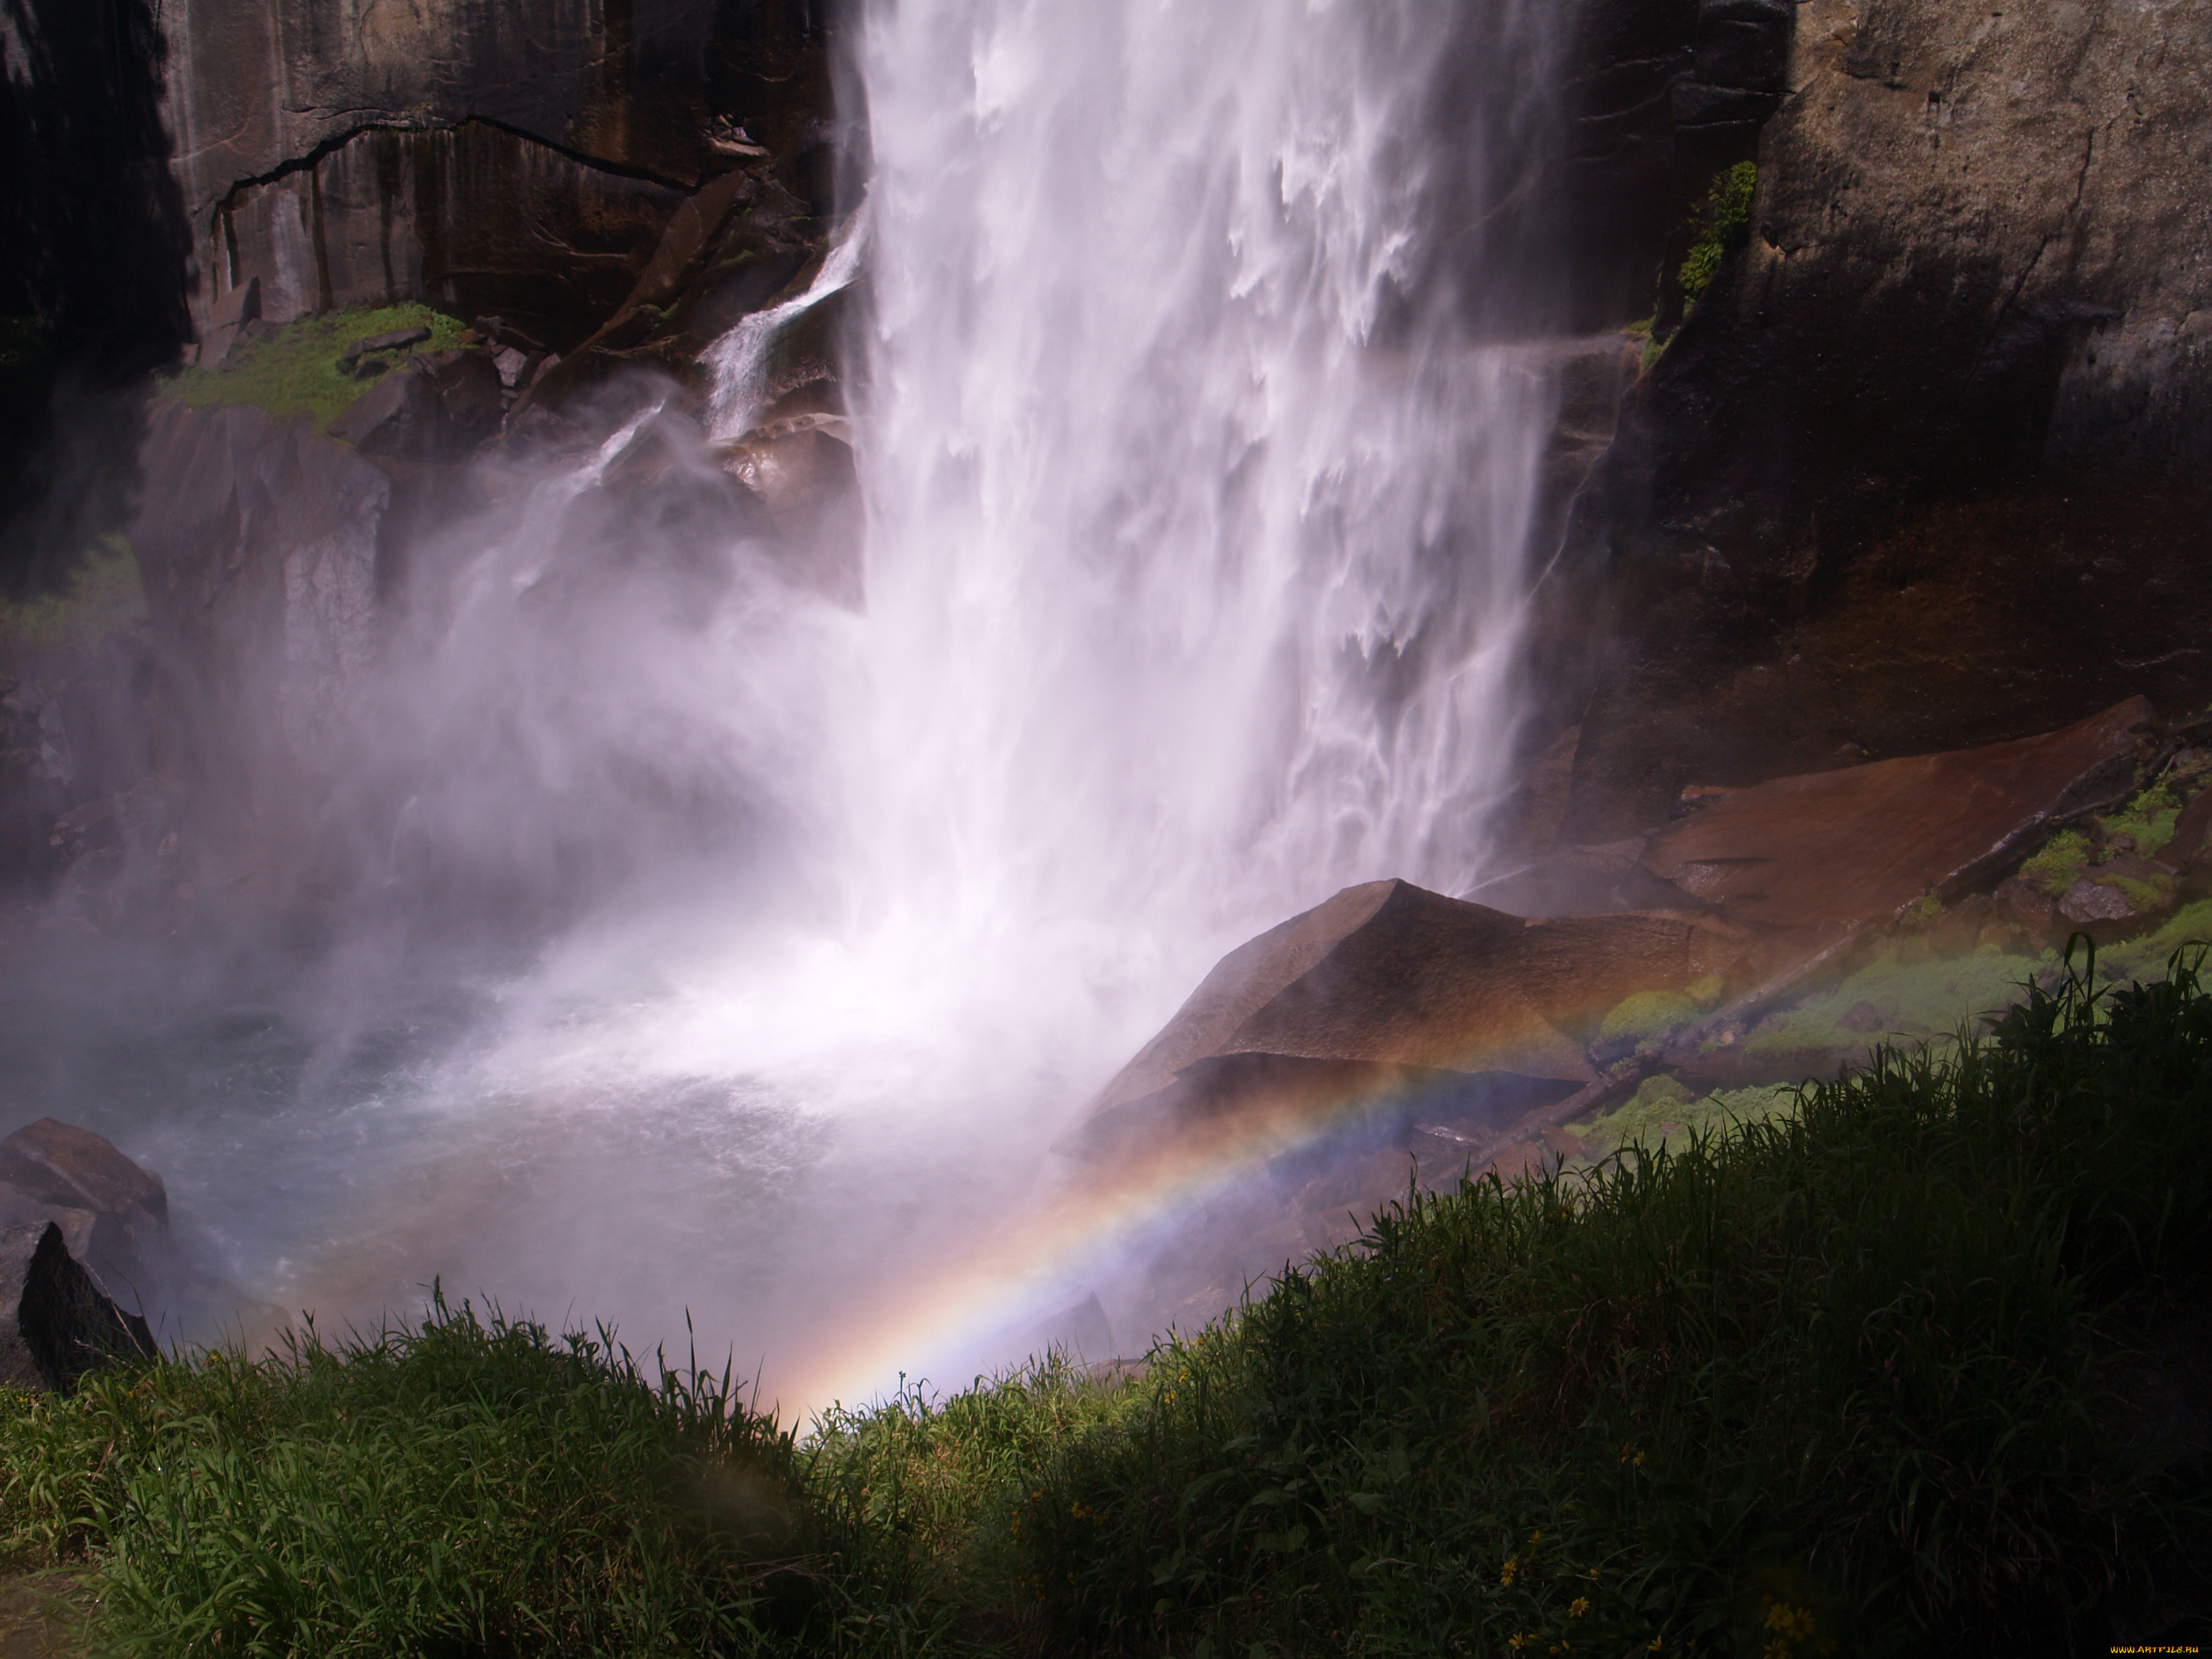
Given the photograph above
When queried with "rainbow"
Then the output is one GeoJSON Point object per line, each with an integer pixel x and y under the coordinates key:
{"type": "Point", "coordinates": [959, 1306]}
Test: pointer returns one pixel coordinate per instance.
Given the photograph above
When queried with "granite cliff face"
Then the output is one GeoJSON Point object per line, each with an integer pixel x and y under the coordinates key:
{"type": "Point", "coordinates": [1921, 467]}
{"type": "Point", "coordinates": [515, 158]}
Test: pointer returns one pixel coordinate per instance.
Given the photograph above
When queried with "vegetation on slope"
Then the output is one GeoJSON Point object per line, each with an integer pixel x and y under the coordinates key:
{"type": "Point", "coordinates": [294, 370]}
{"type": "Point", "coordinates": [1835, 1381]}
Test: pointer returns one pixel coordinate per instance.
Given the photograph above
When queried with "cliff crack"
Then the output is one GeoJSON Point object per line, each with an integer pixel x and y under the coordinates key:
{"type": "Point", "coordinates": [337, 141]}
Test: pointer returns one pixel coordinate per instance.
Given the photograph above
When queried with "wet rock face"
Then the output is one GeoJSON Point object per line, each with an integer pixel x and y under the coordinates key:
{"type": "Point", "coordinates": [474, 219]}
{"type": "Point", "coordinates": [1923, 468]}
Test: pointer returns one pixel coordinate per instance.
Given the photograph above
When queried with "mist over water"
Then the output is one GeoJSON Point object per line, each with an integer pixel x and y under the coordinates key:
{"type": "Point", "coordinates": [1195, 525]}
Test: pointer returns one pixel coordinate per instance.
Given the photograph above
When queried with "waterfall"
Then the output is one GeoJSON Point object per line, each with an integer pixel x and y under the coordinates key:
{"type": "Point", "coordinates": [1196, 499]}
{"type": "Point", "coordinates": [1195, 526]}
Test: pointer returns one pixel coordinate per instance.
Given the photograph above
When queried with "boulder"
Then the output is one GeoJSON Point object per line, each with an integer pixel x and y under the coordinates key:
{"type": "Point", "coordinates": [1386, 987]}
{"type": "Point", "coordinates": [471, 394]}
{"type": "Point", "coordinates": [1584, 881]}
{"type": "Point", "coordinates": [60, 1163]}
{"type": "Point", "coordinates": [56, 1320]}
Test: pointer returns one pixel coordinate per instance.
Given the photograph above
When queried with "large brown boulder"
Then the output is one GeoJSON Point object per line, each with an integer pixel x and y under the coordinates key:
{"type": "Point", "coordinates": [56, 1320]}
{"type": "Point", "coordinates": [59, 1163]}
{"type": "Point", "coordinates": [1387, 986]}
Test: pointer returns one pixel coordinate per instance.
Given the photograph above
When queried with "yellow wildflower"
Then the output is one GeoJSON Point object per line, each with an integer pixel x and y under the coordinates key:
{"type": "Point", "coordinates": [1578, 1606]}
{"type": "Point", "coordinates": [1512, 1566]}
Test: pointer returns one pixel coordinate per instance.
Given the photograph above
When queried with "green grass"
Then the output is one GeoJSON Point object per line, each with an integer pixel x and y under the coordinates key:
{"type": "Point", "coordinates": [1827, 1377]}
{"type": "Point", "coordinates": [295, 371]}
{"type": "Point", "coordinates": [467, 1485]}
{"type": "Point", "coordinates": [1821, 1375]}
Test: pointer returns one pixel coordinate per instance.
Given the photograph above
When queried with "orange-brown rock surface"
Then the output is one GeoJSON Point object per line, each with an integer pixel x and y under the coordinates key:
{"type": "Point", "coordinates": [1387, 984]}
{"type": "Point", "coordinates": [1863, 843]}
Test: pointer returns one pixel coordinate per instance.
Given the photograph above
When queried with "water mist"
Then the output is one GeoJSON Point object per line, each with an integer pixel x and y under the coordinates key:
{"type": "Point", "coordinates": [1196, 529]}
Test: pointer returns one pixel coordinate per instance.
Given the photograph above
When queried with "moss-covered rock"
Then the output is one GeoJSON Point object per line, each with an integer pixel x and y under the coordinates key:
{"type": "Point", "coordinates": [295, 369]}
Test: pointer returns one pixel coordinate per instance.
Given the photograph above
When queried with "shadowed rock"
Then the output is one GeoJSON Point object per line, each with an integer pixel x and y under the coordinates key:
{"type": "Point", "coordinates": [55, 1321]}
{"type": "Point", "coordinates": [1387, 986]}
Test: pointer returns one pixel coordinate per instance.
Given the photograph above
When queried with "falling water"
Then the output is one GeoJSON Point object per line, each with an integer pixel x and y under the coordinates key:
{"type": "Point", "coordinates": [1195, 528]}
{"type": "Point", "coordinates": [1195, 517]}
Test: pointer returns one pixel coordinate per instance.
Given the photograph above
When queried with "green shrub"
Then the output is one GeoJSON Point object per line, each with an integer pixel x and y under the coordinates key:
{"type": "Point", "coordinates": [1722, 224]}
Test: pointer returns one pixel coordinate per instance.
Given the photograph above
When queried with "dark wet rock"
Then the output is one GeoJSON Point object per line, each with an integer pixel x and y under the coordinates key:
{"type": "Point", "coordinates": [800, 469]}
{"type": "Point", "coordinates": [239, 308]}
{"type": "Point", "coordinates": [513, 160]}
{"type": "Point", "coordinates": [2034, 911]}
{"type": "Point", "coordinates": [471, 397]}
{"type": "Point", "coordinates": [1353, 998]}
{"type": "Point", "coordinates": [259, 542]}
{"type": "Point", "coordinates": [400, 416]}
{"type": "Point", "coordinates": [2193, 827]}
{"type": "Point", "coordinates": [57, 1322]}
{"type": "Point", "coordinates": [1988, 516]}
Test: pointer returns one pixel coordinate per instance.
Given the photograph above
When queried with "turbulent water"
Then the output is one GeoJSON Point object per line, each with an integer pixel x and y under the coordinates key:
{"type": "Point", "coordinates": [1195, 529]}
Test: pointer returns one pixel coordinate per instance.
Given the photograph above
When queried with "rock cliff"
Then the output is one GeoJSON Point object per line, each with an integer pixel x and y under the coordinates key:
{"type": "Point", "coordinates": [515, 157]}
{"type": "Point", "coordinates": [1921, 467]}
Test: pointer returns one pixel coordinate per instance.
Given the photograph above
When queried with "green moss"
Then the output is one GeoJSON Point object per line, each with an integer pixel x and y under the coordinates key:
{"type": "Point", "coordinates": [1706, 991]}
{"type": "Point", "coordinates": [2148, 819]}
{"type": "Point", "coordinates": [1661, 1106]}
{"type": "Point", "coordinates": [1726, 215]}
{"type": "Point", "coordinates": [2146, 958]}
{"type": "Point", "coordinates": [2059, 865]}
{"type": "Point", "coordinates": [1922, 914]}
{"type": "Point", "coordinates": [2143, 895]}
{"type": "Point", "coordinates": [295, 370]}
{"type": "Point", "coordinates": [1888, 995]}
{"type": "Point", "coordinates": [105, 595]}
{"type": "Point", "coordinates": [1645, 1018]}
